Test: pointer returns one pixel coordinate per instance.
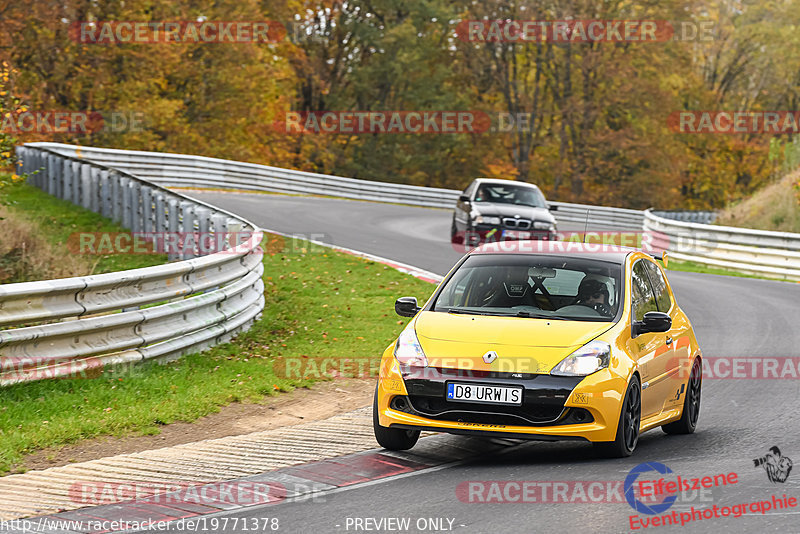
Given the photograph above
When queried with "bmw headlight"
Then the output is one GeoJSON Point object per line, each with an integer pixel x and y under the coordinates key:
{"type": "Point", "coordinates": [481, 219]}
{"type": "Point", "coordinates": [544, 225]}
{"type": "Point", "coordinates": [408, 351]}
{"type": "Point", "coordinates": [588, 359]}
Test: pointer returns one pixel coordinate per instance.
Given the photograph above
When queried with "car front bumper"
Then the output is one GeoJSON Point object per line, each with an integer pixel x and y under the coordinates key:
{"type": "Point", "coordinates": [484, 233]}
{"type": "Point", "coordinates": [553, 407]}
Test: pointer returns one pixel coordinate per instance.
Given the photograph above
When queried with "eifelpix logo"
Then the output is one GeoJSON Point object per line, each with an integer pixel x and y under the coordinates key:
{"type": "Point", "coordinates": [656, 495]}
{"type": "Point", "coordinates": [630, 486]}
{"type": "Point", "coordinates": [777, 466]}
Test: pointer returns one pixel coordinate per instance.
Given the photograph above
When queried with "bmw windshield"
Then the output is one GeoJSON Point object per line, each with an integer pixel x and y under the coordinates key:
{"type": "Point", "coordinates": [510, 194]}
{"type": "Point", "coordinates": [536, 286]}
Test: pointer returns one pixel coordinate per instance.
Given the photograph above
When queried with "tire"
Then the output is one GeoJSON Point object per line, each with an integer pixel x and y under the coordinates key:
{"type": "Point", "coordinates": [394, 439]}
{"type": "Point", "coordinates": [630, 419]}
{"type": "Point", "coordinates": [455, 238]}
{"type": "Point", "coordinates": [691, 403]}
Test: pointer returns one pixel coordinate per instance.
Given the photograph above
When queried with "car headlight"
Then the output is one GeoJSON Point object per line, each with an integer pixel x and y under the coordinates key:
{"type": "Point", "coordinates": [480, 219]}
{"type": "Point", "coordinates": [544, 225]}
{"type": "Point", "coordinates": [408, 351]}
{"type": "Point", "coordinates": [591, 357]}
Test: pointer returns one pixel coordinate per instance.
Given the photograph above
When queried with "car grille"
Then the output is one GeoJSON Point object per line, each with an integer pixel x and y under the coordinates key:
{"type": "Point", "coordinates": [542, 401]}
{"type": "Point", "coordinates": [440, 409]}
{"type": "Point", "coordinates": [517, 224]}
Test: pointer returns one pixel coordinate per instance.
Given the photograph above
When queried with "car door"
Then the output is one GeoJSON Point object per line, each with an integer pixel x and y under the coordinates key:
{"type": "Point", "coordinates": [675, 353]}
{"type": "Point", "coordinates": [650, 349]}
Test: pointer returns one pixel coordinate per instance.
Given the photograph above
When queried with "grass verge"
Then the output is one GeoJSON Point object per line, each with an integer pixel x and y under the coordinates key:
{"type": "Point", "coordinates": [319, 303]}
{"type": "Point", "coordinates": [693, 267]}
{"type": "Point", "coordinates": [775, 207]}
{"type": "Point", "coordinates": [42, 218]}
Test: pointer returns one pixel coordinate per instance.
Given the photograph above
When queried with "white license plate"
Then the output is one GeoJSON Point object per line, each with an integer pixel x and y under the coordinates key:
{"type": "Point", "coordinates": [457, 391]}
{"type": "Point", "coordinates": [516, 234]}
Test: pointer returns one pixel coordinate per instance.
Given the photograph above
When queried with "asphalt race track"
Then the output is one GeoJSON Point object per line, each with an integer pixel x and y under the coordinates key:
{"type": "Point", "coordinates": [740, 418]}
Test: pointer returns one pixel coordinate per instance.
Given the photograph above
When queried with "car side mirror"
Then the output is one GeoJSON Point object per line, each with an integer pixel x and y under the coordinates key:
{"type": "Point", "coordinates": [652, 322]}
{"type": "Point", "coordinates": [463, 198]}
{"type": "Point", "coordinates": [552, 207]}
{"type": "Point", "coordinates": [406, 306]}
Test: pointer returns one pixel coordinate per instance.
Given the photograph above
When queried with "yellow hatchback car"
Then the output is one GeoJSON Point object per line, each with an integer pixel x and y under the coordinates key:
{"type": "Point", "coordinates": [568, 343]}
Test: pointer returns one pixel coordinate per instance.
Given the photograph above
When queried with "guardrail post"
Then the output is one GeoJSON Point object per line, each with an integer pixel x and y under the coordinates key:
{"type": "Point", "coordinates": [234, 233]}
{"type": "Point", "coordinates": [160, 219]}
{"type": "Point", "coordinates": [65, 183]}
{"type": "Point", "coordinates": [30, 162]}
{"type": "Point", "coordinates": [76, 183]}
{"type": "Point", "coordinates": [203, 219]}
{"type": "Point", "coordinates": [116, 196]}
{"type": "Point", "coordinates": [136, 207]}
{"type": "Point", "coordinates": [66, 189]}
{"type": "Point", "coordinates": [30, 166]}
{"type": "Point", "coordinates": [220, 224]}
{"type": "Point", "coordinates": [33, 157]}
{"type": "Point", "coordinates": [36, 160]}
{"type": "Point", "coordinates": [173, 222]}
{"type": "Point", "coordinates": [187, 228]}
{"type": "Point", "coordinates": [96, 195]}
{"type": "Point", "coordinates": [127, 208]}
{"type": "Point", "coordinates": [52, 174]}
{"type": "Point", "coordinates": [21, 165]}
{"type": "Point", "coordinates": [58, 176]}
{"type": "Point", "coordinates": [205, 244]}
{"type": "Point", "coordinates": [147, 209]}
{"type": "Point", "coordinates": [86, 186]}
{"type": "Point", "coordinates": [105, 195]}
{"type": "Point", "coordinates": [44, 163]}
{"type": "Point", "coordinates": [41, 176]}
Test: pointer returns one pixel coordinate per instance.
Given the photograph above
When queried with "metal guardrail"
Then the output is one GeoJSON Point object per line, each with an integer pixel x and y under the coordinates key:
{"type": "Point", "coordinates": [178, 170]}
{"type": "Point", "coordinates": [160, 312]}
{"type": "Point", "coordinates": [699, 216]}
{"type": "Point", "coordinates": [762, 253]}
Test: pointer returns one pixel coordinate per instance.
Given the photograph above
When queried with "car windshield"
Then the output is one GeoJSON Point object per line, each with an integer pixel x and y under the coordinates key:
{"type": "Point", "coordinates": [510, 194]}
{"type": "Point", "coordinates": [535, 286]}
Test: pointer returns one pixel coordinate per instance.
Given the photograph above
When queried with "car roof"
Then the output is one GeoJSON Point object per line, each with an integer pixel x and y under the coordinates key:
{"type": "Point", "coordinates": [589, 251]}
{"type": "Point", "coordinates": [503, 181]}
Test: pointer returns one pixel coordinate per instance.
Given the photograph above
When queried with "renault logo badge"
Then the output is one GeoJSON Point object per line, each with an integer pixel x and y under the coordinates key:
{"type": "Point", "coordinates": [490, 356]}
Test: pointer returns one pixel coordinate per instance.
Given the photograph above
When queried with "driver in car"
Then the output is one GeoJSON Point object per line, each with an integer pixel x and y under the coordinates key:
{"type": "Point", "coordinates": [483, 194]}
{"type": "Point", "coordinates": [594, 294]}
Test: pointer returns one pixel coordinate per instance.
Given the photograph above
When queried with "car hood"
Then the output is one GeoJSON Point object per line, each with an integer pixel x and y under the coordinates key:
{"type": "Point", "coordinates": [522, 344]}
{"type": "Point", "coordinates": [511, 210]}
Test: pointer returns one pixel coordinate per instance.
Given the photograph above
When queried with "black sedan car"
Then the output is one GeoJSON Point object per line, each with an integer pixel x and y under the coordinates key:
{"type": "Point", "coordinates": [497, 210]}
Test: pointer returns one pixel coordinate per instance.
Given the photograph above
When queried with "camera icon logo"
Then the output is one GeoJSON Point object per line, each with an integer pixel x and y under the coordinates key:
{"type": "Point", "coordinates": [776, 465]}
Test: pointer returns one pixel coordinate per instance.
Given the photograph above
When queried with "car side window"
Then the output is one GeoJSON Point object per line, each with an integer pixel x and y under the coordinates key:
{"type": "Point", "coordinates": [456, 293]}
{"type": "Point", "coordinates": [643, 299]}
{"type": "Point", "coordinates": [659, 286]}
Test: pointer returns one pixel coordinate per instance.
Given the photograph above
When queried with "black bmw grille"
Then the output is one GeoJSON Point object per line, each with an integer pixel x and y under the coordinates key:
{"type": "Point", "coordinates": [518, 224]}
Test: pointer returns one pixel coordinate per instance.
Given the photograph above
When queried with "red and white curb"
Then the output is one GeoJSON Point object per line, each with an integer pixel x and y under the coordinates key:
{"type": "Point", "coordinates": [310, 481]}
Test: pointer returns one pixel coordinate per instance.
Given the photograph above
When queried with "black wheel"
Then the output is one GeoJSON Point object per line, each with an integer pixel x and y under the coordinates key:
{"type": "Point", "coordinates": [455, 238]}
{"type": "Point", "coordinates": [628, 426]}
{"type": "Point", "coordinates": [394, 439]}
{"type": "Point", "coordinates": [691, 403]}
